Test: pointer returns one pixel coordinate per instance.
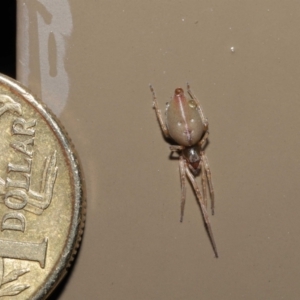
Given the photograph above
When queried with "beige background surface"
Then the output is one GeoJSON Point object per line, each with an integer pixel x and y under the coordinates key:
{"type": "Point", "coordinates": [134, 245]}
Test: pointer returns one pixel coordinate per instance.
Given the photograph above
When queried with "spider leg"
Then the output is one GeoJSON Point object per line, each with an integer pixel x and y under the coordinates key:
{"type": "Point", "coordinates": [174, 148]}
{"type": "Point", "coordinates": [158, 114]}
{"type": "Point", "coordinates": [209, 180]}
{"type": "Point", "coordinates": [183, 185]}
{"type": "Point", "coordinates": [202, 116]}
{"type": "Point", "coordinates": [203, 208]}
{"type": "Point", "coordinates": [203, 182]}
{"type": "Point", "coordinates": [204, 139]}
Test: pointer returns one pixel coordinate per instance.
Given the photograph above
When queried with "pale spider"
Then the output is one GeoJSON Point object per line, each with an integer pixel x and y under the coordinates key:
{"type": "Point", "coordinates": [188, 127]}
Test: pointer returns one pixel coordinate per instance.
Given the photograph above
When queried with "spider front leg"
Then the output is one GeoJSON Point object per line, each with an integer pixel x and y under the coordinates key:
{"type": "Point", "coordinates": [193, 97]}
{"type": "Point", "coordinates": [203, 208]}
{"type": "Point", "coordinates": [158, 114]}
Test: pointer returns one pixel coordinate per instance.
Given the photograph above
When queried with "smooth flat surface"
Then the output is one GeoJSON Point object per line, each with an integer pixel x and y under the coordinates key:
{"type": "Point", "coordinates": [134, 245]}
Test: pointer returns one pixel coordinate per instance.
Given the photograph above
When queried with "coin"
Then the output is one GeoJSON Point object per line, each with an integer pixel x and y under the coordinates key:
{"type": "Point", "coordinates": [42, 209]}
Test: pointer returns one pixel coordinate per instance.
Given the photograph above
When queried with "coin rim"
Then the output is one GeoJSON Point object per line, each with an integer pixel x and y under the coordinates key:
{"type": "Point", "coordinates": [79, 207]}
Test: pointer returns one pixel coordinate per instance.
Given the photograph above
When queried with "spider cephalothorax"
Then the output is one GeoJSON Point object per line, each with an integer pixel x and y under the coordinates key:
{"type": "Point", "coordinates": [192, 157]}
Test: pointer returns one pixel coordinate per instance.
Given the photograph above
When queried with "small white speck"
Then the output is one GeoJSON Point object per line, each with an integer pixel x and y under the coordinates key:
{"type": "Point", "coordinates": [182, 20]}
{"type": "Point", "coordinates": [232, 49]}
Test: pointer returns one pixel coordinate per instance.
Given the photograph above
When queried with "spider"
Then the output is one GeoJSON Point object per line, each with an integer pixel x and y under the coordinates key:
{"type": "Point", "coordinates": [188, 127]}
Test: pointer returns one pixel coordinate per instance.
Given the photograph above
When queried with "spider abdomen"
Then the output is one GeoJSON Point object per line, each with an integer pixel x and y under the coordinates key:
{"type": "Point", "coordinates": [183, 120]}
